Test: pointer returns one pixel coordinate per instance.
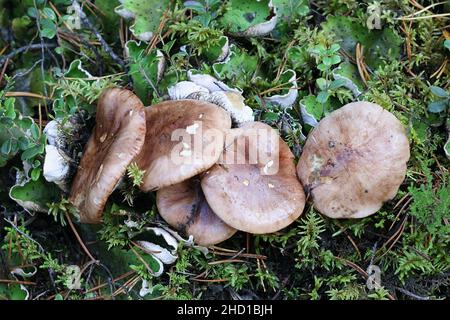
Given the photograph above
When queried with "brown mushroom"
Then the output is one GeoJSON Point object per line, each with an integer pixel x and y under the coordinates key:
{"type": "Point", "coordinates": [184, 207]}
{"type": "Point", "coordinates": [165, 159]}
{"type": "Point", "coordinates": [255, 193]}
{"type": "Point", "coordinates": [117, 138]}
{"type": "Point", "coordinates": [354, 160]}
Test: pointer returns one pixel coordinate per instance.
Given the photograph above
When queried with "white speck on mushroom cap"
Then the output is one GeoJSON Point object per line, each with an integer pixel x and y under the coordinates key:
{"type": "Point", "coordinates": [103, 137]}
{"type": "Point", "coordinates": [192, 129]}
{"type": "Point", "coordinates": [246, 182]}
{"type": "Point", "coordinates": [271, 186]}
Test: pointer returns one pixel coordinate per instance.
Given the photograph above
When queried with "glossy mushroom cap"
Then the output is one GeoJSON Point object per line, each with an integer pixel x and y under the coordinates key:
{"type": "Point", "coordinates": [117, 138]}
{"type": "Point", "coordinates": [183, 139]}
{"type": "Point", "coordinates": [255, 194]}
{"type": "Point", "coordinates": [354, 160]}
{"type": "Point", "coordinates": [184, 207]}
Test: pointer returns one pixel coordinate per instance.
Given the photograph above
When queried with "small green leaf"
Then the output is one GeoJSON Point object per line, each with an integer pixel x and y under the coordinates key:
{"type": "Point", "coordinates": [350, 75]}
{"type": "Point", "coordinates": [35, 194]}
{"type": "Point", "coordinates": [147, 16]}
{"type": "Point", "coordinates": [65, 2]}
{"type": "Point", "coordinates": [335, 47]}
{"type": "Point", "coordinates": [322, 67]}
{"type": "Point", "coordinates": [244, 14]}
{"type": "Point", "coordinates": [24, 122]}
{"type": "Point", "coordinates": [437, 106]}
{"type": "Point", "coordinates": [441, 93]}
{"type": "Point", "coordinates": [14, 146]}
{"type": "Point", "coordinates": [13, 292]}
{"type": "Point", "coordinates": [6, 146]}
{"type": "Point", "coordinates": [288, 12]}
{"type": "Point", "coordinates": [9, 108]}
{"type": "Point", "coordinates": [335, 59]}
{"type": "Point", "coordinates": [48, 28]}
{"type": "Point", "coordinates": [32, 12]}
{"type": "Point", "coordinates": [321, 83]}
{"type": "Point", "coordinates": [59, 297]}
{"type": "Point", "coordinates": [23, 143]}
{"type": "Point", "coordinates": [337, 84]}
{"type": "Point", "coordinates": [144, 69]}
{"type": "Point", "coordinates": [447, 44]}
{"type": "Point", "coordinates": [378, 44]}
{"type": "Point", "coordinates": [31, 153]}
{"type": "Point", "coordinates": [214, 52]}
{"type": "Point", "coordinates": [320, 49]}
{"type": "Point", "coordinates": [239, 67]}
{"type": "Point", "coordinates": [323, 96]}
{"type": "Point", "coordinates": [49, 13]}
{"type": "Point", "coordinates": [329, 61]}
{"type": "Point", "coordinates": [312, 110]}
{"type": "Point", "coordinates": [35, 132]}
{"type": "Point", "coordinates": [35, 174]}
{"type": "Point", "coordinates": [7, 122]}
{"type": "Point", "coordinates": [195, 5]}
{"type": "Point", "coordinates": [36, 163]}
{"type": "Point", "coordinates": [270, 116]}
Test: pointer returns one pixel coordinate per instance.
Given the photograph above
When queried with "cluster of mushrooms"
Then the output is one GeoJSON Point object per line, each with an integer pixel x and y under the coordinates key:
{"type": "Point", "coordinates": [353, 161]}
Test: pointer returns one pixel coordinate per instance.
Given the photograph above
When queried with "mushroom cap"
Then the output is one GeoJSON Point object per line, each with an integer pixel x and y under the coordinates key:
{"type": "Point", "coordinates": [184, 207]}
{"type": "Point", "coordinates": [259, 194]}
{"type": "Point", "coordinates": [117, 138]}
{"type": "Point", "coordinates": [231, 101]}
{"type": "Point", "coordinates": [199, 125]}
{"type": "Point", "coordinates": [183, 89]}
{"type": "Point", "coordinates": [354, 160]}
